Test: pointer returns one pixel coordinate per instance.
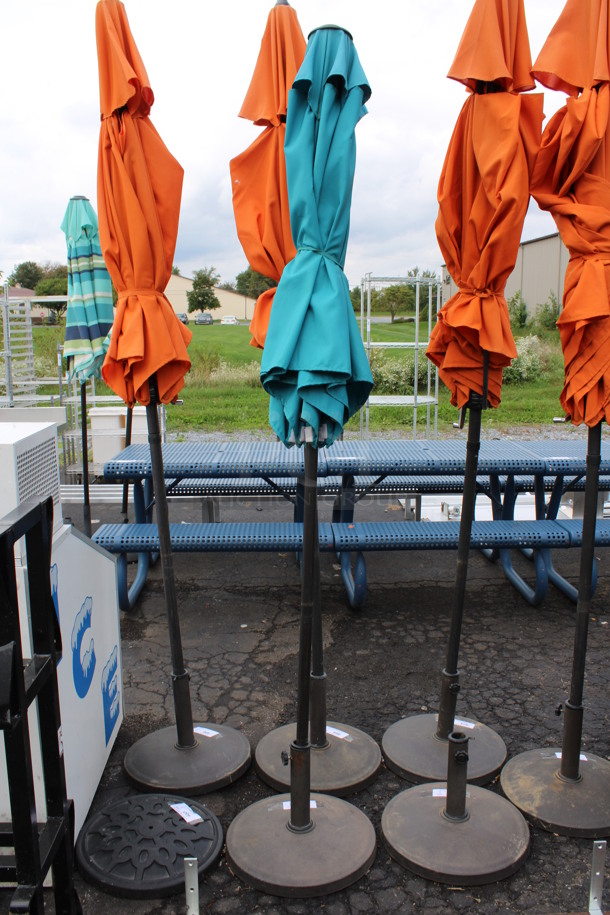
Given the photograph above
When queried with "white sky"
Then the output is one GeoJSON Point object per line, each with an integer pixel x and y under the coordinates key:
{"type": "Point", "coordinates": [200, 55]}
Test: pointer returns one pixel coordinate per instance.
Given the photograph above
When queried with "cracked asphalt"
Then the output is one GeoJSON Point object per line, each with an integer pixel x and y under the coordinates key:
{"type": "Point", "coordinates": [239, 618]}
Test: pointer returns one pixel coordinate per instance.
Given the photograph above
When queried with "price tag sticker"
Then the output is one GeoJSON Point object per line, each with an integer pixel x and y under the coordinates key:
{"type": "Point", "coordinates": [187, 813]}
{"type": "Point", "coordinates": [206, 732]}
{"type": "Point", "coordinates": [312, 805]}
{"type": "Point", "coordinates": [342, 735]}
{"type": "Point", "coordinates": [460, 723]}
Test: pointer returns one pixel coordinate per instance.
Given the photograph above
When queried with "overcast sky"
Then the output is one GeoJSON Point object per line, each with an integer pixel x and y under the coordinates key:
{"type": "Point", "coordinates": [200, 55]}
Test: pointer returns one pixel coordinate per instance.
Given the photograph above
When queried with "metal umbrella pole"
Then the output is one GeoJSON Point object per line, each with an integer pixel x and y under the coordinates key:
{"type": "Point", "coordinates": [562, 789]}
{"type": "Point", "coordinates": [125, 498]}
{"type": "Point", "coordinates": [302, 844]}
{"type": "Point", "coordinates": [343, 758]}
{"type": "Point", "coordinates": [85, 450]}
{"type": "Point", "coordinates": [186, 758]}
{"type": "Point", "coordinates": [416, 747]}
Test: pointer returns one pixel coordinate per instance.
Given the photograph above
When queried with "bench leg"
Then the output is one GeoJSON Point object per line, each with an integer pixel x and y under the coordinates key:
{"type": "Point", "coordinates": [354, 581]}
{"type": "Point", "coordinates": [533, 596]}
{"type": "Point", "coordinates": [129, 595]}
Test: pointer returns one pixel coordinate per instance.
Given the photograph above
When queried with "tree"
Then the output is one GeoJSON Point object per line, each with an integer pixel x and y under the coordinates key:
{"type": "Point", "coordinates": [202, 296]}
{"type": "Point", "coordinates": [26, 275]}
{"type": "Point", "coordinates": [252, 284]}
{"type": "Point", "coordinates": [175, 271]}
{"type": "Point", "coordinates": [230, 287]}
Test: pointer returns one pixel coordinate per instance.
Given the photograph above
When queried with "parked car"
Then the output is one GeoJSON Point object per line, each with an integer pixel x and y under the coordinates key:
{"type": "Point", "coordinates": [229, 319]}
{"type": "Point", "coordinates": [183, 317]}
{"type": "Point", "coordinates": [204, 318]}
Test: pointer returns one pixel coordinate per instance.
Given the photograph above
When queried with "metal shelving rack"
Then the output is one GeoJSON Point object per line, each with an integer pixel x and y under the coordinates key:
{"type": "Point", "coordinates": [426, 398]}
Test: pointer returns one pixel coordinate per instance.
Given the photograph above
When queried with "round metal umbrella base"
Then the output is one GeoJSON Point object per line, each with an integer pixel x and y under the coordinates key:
{"type": "Point", "coordinates": [412, 750]}
{"type": "Point", "coordinates": [135, 848]}
{"type": "Point", "coordinates": [220, 756]}
{"type": "Point", "coordinates": [570, 807]}
{"type": "Point", "coordinates": [349, 763]}
{"type": "Point", "coordinates": [490, 844]}
{"type": "Point", "coordinates": [268, 855]}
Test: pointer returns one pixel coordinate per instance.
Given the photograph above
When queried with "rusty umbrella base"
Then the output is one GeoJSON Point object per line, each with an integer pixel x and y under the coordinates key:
{"type": "Point", "coordinates": [564, 790]}
{"type": "Point", "coordinates": [455, 832]}
{"type": "Point", "coordinates": [416, 747]}
{"type": "Point", "coordinates": [302, 844]}
{"type": "Point", "coordinates": [183, 759]}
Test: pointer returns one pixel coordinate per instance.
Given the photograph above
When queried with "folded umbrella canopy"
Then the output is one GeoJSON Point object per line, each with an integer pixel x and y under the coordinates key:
{"type": "Point", "coordinates": [139, 190]}
{"type": "Point", "coordinates": [89, 313]}
{"type": "Point", "coordinates": [258, 175]}
{"type": "Point", "coordinates": [483, 197]}
{"type": "Point", "coordinates": [314, 365]}
{"type": "Point", "coordinates": [572, 181]}
{"type": "Point", "coordinates": [564, 790]}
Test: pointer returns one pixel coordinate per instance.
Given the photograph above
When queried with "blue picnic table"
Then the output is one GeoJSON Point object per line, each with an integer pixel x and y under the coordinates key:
{"type": "Point", "coordinates": [349, 470]}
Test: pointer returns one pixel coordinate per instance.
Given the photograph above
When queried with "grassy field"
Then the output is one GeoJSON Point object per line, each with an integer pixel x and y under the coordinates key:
{"type": "Point", "coordinates": [223, 391]}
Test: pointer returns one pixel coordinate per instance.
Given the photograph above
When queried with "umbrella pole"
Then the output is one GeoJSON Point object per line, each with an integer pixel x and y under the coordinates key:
{"type": "Point", "coordinates": [450, 684]}
{"type": "Point", "coordinates": [573, 711]}
{"type": "Point", "coordinates": [128, 427]}
{"type": "Point", "coordinates": [85, 450]}
{"type": "Point", "coordinates": [325, 844]}
{"type": "Point", "coordinates": [574, 799]}
{"type": "Point", "coordinates": [300, 748]}
{"type": "Point", "coordinates": [182, 759]}
{"type": "Point", "coordinates": [317, 683]}
{"type": "Point", "coordinates": [180, 676]}
{"type": "Point", "coordinates": [416, 747]}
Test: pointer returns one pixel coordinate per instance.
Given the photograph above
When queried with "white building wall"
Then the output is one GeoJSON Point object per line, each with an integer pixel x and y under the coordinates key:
{"type": "Point", "coordinates": [231, 303]}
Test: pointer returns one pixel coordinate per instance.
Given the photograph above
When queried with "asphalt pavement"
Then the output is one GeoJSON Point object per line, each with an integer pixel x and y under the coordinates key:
{"type": "Point", "coordinates": [239, 619]}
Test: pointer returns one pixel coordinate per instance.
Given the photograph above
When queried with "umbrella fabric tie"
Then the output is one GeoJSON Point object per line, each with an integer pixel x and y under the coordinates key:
{"type": "Point", "coordinates": [127, 292]}
{"type": "Point", "coordinates": [325, 254]}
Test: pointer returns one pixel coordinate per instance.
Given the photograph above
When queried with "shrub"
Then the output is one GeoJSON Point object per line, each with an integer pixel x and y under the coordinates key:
{"type": "Point", "coordinates": [547, 314]}
{"type": "Point", "coordinates": [395, 375]}
{"type": "Point", "coordinates": [528, 364]}
{"type": "Point", "coordinates": [517, 311]}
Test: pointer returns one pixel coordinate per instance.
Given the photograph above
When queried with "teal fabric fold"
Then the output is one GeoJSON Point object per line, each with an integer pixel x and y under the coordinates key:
{"type": "Point", "coordinates": [89, 314]}
{"type": "Point", "coordinates": [314, 365]}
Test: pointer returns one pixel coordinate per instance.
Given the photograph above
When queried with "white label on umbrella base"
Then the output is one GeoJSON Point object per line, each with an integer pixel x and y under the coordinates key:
{"type": "Point", "coordinates": [582, 756]}
{"type": "Point", "coordinates": [206, 732]}
{"type": "Point", "coordinates": [442, 792]}
{"type": "Point", "coordinates": [342, 735]}
{"type": "Point", "coordinates": [460, 723]}
{"type": "Point", "coordinates": [286, 805]}
{"type": "Point", "coordinates": [187, 813]}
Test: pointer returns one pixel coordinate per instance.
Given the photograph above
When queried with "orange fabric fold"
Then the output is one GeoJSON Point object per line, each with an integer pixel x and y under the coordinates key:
{"type": "Point", "coordinates": [483, 196]}
{"type": "Point", "coordinates": [494, 47]}
{"type": "Point", "coordinates": [139, 186]}
{"type": "Point", "coordinates": [572, 181]}
{"type": "Point", "coordinates": [258, 175]}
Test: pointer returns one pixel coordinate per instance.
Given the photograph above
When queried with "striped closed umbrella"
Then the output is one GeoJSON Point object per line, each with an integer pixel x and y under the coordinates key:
{"type": "Point", "coordinates": [89, 314]}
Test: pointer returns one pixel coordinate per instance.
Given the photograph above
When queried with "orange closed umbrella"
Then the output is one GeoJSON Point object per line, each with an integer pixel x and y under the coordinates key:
{"type": "Point", "coordinates": [139, 190]}
{"type": "Point", "coordinates": [258, 175]}
{"type": "Point", "coordinates": [572, 181]}
{"type": "Point", "coordinates": [562, 789]}
{"type": "Point", "coordinates": [483, 196]}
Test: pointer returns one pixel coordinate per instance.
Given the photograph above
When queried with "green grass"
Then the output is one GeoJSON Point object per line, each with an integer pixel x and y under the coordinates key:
{"type": "Point", "coordinates": [223, 393]}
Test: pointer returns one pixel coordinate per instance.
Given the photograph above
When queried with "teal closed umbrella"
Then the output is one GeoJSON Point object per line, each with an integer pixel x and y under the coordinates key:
{"type": "Point", "coordinates": [315, 369]}
{"type": "Point", "coordinates": [89, 313]}
{"type": "Point", "coordinates": [314, 365]}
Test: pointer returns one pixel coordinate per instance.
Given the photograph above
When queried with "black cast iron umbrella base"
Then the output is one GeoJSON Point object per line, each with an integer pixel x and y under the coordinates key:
{"type": "Point", "coordinates": [580, 807]}
{"type": "Point", "coordinates": [490, 844]}
{"type": "Point", "coordinates": [135, 848]}
{"type": "Point", "coordinates": [412, 750]}
{"type": "Point", "coordinates": [348, 763]}
{"type": "Point", "coordinates": [220, 756]}
{"type": "Point", "coordinates": [333, 853]}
